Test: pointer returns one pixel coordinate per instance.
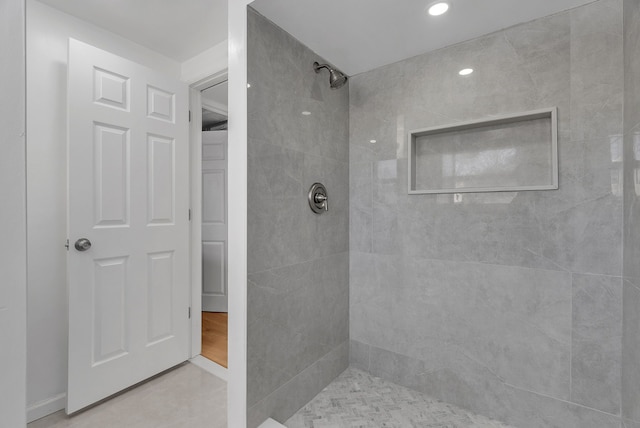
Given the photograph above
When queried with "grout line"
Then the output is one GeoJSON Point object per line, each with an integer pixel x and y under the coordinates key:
{"type": "Point", "coordinates": [475, 262]}
{"type": "Point", "coordinates": [631, 284]}
{"type": "Point", "coordinates": [297, 150]}
{"type": "Point", "coordinates": [297, 263]}
{"type": "Point", "coordinates": [597, 274]}
{"type": "Point", "coordinates": [561, 400]}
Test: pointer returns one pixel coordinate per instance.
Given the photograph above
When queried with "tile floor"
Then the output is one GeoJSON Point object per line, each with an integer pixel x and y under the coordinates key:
{"type": "Point", "coordinates": [186, 396]}
{"type": "Point", "coordinates": [358, 400]}
{"type": "Point", "coordinates": [191, 397]}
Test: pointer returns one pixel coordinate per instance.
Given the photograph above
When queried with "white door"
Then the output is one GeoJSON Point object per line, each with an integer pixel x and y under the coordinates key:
{"type": "Point", "coordinates": [128, 195]}
{"type": "Point", "coordinates": [214, 221]}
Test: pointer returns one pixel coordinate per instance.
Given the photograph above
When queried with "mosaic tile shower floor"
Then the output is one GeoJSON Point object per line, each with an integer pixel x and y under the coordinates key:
{"type": "Point", "coordinates": [358, 400]}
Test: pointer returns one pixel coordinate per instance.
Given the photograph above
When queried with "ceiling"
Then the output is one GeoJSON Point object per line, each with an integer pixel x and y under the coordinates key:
{"type": "Point", "coordinates": [178, 29]}
{"type": "Point", "coordinates": [355, 35]}
{"type": "Point", "coordinates": [212, 121]}
{"type": "Point", "coordinates": [360, 35]}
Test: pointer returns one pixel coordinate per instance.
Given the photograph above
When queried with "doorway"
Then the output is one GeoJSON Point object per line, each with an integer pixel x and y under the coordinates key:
{"type": "Point", "coordinates": [214, 224]}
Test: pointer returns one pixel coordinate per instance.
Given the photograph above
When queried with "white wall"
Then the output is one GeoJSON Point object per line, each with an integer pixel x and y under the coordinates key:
{"type": "Point", "coordinates": [12, 215]}
{"type": "Point", "coordinates": [48, 31]}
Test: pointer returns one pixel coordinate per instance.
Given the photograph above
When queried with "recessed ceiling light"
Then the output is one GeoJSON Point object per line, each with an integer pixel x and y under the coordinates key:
{"type": "Point", "coordinates": [248, 85]}
{"type": "Point", "coordinates": [306, 113]}
{"type": "Point", "coordinates": [373, 141]}
{"type": "Point", "coordinates": [465, 71]}
{"type": "Point", "coordinates": [438, 8]}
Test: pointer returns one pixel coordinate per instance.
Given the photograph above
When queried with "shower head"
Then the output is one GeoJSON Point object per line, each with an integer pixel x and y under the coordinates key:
{"type": "Point", "coordinates": [337, 79]}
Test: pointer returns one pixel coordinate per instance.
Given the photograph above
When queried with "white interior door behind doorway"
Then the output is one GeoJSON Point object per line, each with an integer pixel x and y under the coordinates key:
{"type": "Point", "coordinates": [128, 195]}
{"type": "Point", "coordinates": [214, 221]}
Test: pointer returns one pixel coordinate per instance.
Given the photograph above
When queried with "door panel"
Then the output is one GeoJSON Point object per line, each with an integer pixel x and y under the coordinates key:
{"type": "Point", "coordinates": [109, 309]}
{"type": "Point", "coordinates": [159, 303]}
{"type": "Point", "coordinates": [111, 89]}
{"type": "Point", "coordinates": [111, 175]}
{"type": "Point", "coordinates": [213, 272]}
{"type": "Point", "coordinates": [128, 194]}
{"type": "Point", "coordinates": [214, 221]}
{"type": "Point", "coordinates": [213, 186]}
{"type": "Point", "coordinates": [161, 168]}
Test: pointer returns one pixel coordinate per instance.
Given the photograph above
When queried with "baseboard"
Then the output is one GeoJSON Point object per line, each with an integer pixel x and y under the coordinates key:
{"type": "Point", "coordinates": [209, 366]}
{"type": "Point", "coordinates": [46, 407]}
{"type": "Point", "coordinates": [270, 423]}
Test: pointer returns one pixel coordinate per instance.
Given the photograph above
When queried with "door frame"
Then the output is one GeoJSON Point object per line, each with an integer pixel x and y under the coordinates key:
{"type": "Point", "coordinates": [232, 67]}
{"type": "Point", "coordinates": [195, 140]}
{"type": "Point", "coordinates": [238, 209]}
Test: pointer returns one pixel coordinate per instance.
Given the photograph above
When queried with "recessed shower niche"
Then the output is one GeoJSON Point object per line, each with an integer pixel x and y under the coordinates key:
{"type": "Point", "coordinates": [507, 153]}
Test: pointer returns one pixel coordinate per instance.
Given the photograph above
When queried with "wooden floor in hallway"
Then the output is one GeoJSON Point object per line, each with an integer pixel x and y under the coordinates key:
{"type": "Point", "coordinates": [214, 337]}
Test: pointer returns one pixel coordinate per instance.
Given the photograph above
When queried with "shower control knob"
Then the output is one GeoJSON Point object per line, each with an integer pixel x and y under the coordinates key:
{"type": "Point", "coordinates": [318, 198]}
{"type": "Point", "coordinates": [322, 199]}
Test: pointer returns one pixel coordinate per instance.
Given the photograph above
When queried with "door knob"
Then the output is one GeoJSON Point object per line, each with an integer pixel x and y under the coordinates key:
{"type": "Point", "coordinates": [82, 244]}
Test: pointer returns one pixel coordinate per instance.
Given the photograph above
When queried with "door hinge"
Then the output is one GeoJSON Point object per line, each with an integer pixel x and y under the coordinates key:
{"type": "Point", "coordinates": [66, 245]}
{"type": "Point", "coordinates": [189, 214]}
{"type": "Point", "coordinates": [189, 312]}
{"type": "Point", "coordinates": [189, 115]}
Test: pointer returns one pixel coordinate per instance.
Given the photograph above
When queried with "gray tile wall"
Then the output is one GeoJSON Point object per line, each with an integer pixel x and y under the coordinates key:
{"type": "Point", "coordinates": [631, 264]}
{"type": "Point", "coordinates": [509, 304]}
{"type": "Point", "coordinates": [298, 262]}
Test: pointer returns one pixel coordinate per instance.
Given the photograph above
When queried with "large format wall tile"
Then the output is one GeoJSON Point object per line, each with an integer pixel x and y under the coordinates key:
{"type": "Point", "coordinates": [516, 322]}
{"type": "Point", "coordinates": [596, 71]}
{"type": "Point", "coordinates": [596, 341]}
{"type": "Point", "coordinates": [282, 228]}
{"type": "Point", "coordinates": [360, 207]}
{"type": "Point", "coordinates": [298, 261]}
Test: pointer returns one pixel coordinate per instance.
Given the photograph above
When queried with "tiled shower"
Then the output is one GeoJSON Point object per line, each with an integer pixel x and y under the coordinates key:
{"type": "Point", "coordinates": [521, 306]}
